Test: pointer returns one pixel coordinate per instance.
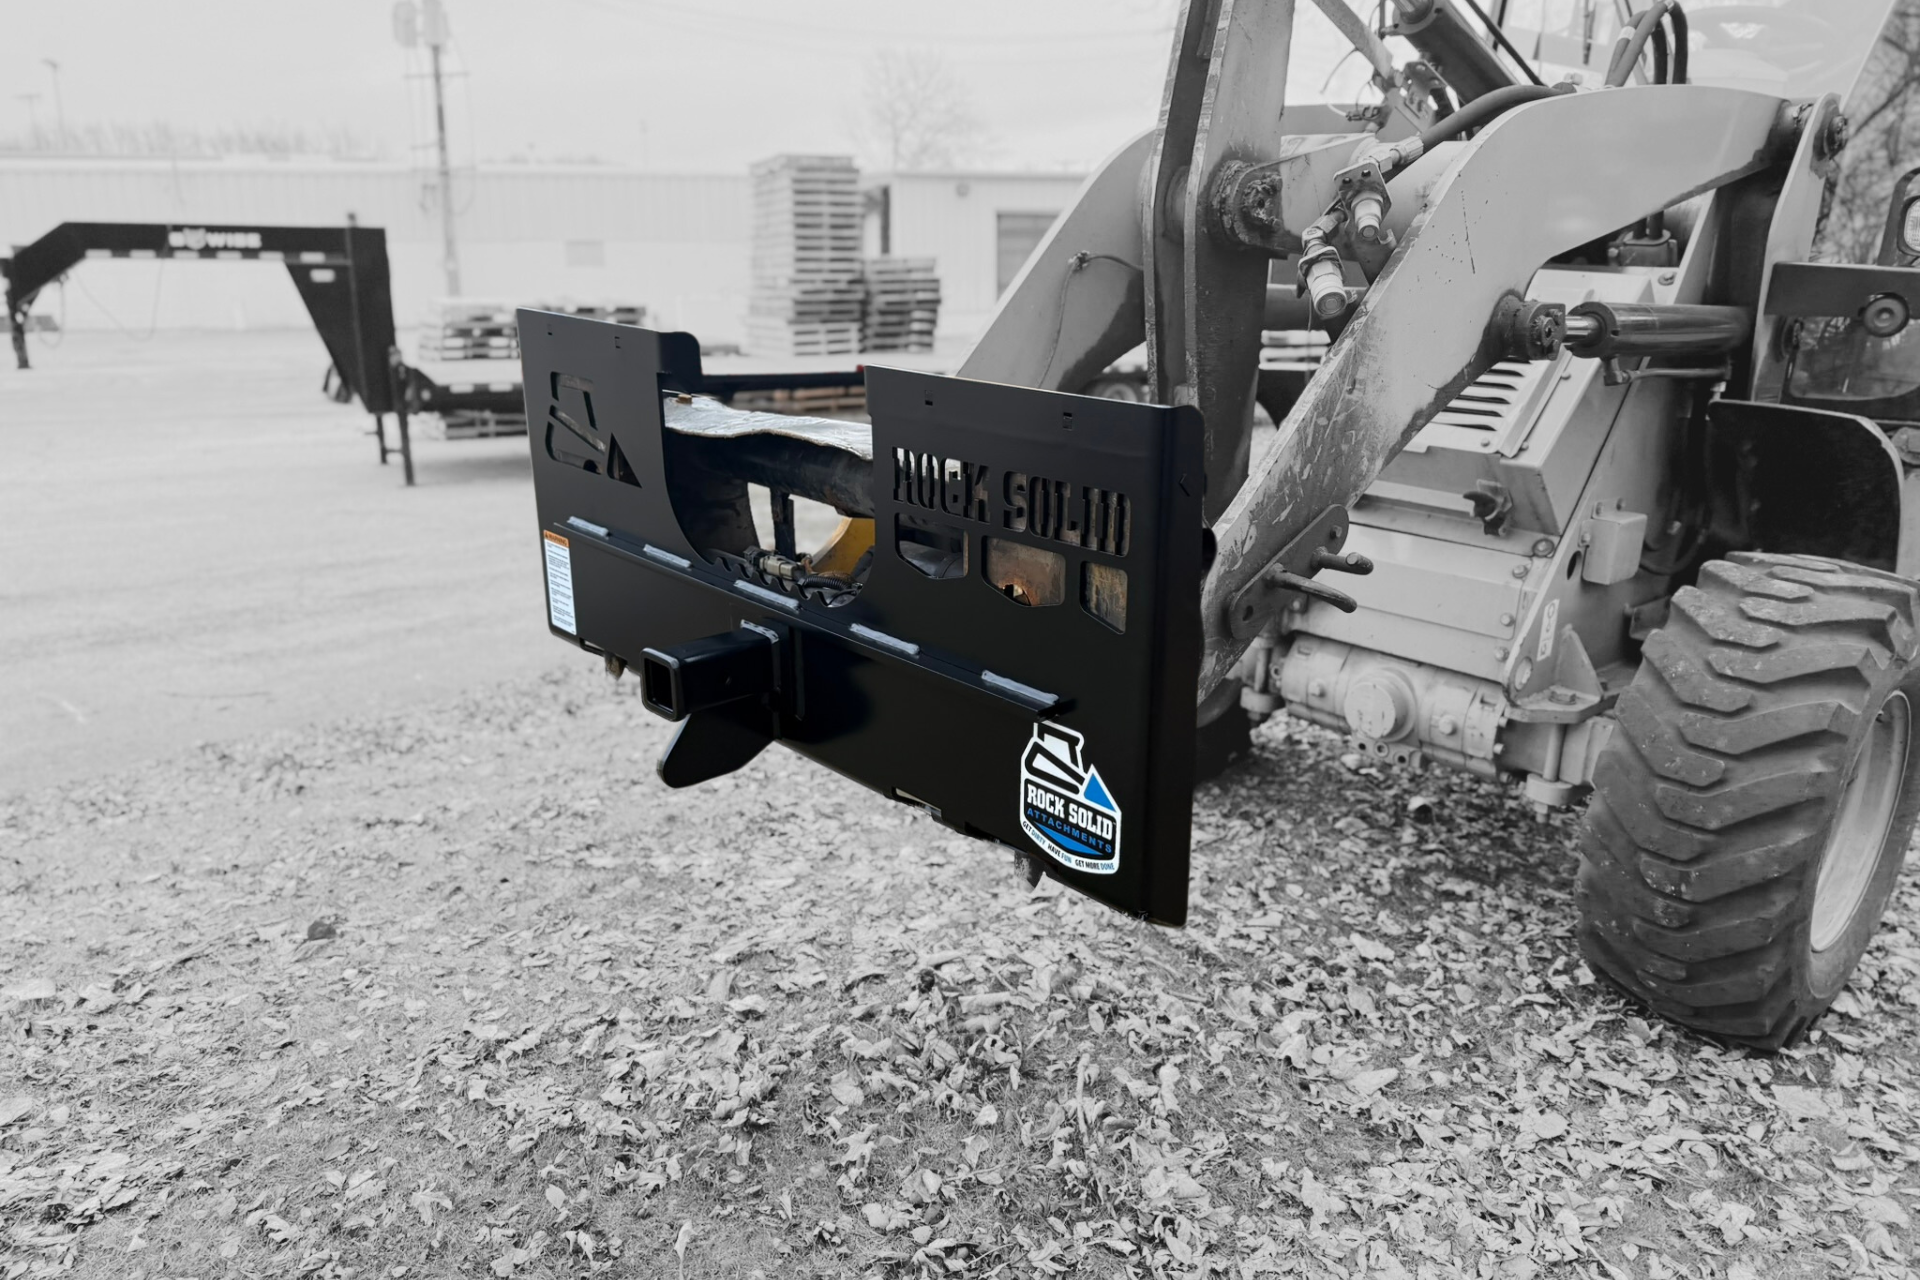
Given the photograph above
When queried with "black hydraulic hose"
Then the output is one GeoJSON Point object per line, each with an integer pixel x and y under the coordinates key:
{"type": "Point", "coordinates": [1484, 108]}
{"type": "Point", "coordinates": [1626, 49]}
{"type": "Point", "coordinates": [1626, 54]}
{"type": "Point", "coordinates": [1678, 18]}
{"type": "Point", "coordinates": [1659, 53]}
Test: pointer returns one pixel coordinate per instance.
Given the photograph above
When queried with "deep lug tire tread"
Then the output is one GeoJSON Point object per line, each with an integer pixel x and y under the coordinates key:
{"type": "Point", "coordinates": [1712, 802]}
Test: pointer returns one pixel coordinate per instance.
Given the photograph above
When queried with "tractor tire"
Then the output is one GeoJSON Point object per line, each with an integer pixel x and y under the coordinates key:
{"type": "Point", "coordinates": [1222, 744]}
{"type": "Point", "coordinates": [1127, 387]}
{"type": "Point", "coordinates": [1751, 814]}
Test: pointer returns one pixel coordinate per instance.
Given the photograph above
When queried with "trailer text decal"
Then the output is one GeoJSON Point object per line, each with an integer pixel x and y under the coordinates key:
{"type": "Point", "coordinates": [1065, 806]}
{"type": "Point", "coordinates": [198, 238]}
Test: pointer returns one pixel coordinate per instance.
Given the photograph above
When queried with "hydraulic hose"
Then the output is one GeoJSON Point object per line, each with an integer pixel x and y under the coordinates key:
{"type": "Point", "coordinates": [1395, 156]}
{"type": "Point", "coordinates": [1484, 108]}
{"type": "Point", "coordinates": [1626, 53]}
{"type": "Point", "coordinates": [1677, 18]}
{"type": "Point", "coordinates": [1626, 50]}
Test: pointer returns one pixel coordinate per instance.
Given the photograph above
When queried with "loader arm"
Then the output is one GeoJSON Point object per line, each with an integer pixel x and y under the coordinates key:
{"type": "Point", "coordinates": [1077, 305]}
{"type": "Point", "coordinates": [1517, 195]}
{"type": "Point", "coordinates": [1420, 335]}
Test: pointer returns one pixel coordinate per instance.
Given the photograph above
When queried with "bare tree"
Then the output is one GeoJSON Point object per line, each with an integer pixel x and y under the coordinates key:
{"type": "Point", "coordinates": [917, 113]}
{"type": "Point", "coordinates": [1885, 119]}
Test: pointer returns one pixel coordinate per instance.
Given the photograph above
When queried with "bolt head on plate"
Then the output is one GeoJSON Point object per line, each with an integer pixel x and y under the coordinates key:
{"type": "Point", "coordinates": [1885, 315]}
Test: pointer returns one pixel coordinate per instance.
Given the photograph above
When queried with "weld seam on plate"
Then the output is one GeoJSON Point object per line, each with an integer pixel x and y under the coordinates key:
{"type": "Point", "coordinates": [770, 597]}
{"type": "Point", "coordinates": [588, 526]}
{"type": "Point", "coordinates": [666, 557]}
{"type": "Point", "coordinates": [907, 647]}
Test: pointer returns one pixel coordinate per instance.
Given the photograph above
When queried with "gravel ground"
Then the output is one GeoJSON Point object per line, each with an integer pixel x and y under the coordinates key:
{"type": "Point", "coordinates": [345, 930]}
{"type": "Point", "coordinates": [464, 990]}
{"type": "Point", "coordinates": [195, 543]}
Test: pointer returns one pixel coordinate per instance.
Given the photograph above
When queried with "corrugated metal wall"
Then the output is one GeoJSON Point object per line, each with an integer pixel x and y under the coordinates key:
{"type": "Point", "coordinates": [676, 244]}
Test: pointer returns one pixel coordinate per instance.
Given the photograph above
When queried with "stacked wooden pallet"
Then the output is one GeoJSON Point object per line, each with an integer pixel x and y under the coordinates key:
{"type": "Point", "coordinates": [805, 296]}
{"type": "Point", "coordinates": [466, 329]}
{"type": "Point", "coordinates": [902, 304]}
{"type": "Point", "coordinates": [478, 424]}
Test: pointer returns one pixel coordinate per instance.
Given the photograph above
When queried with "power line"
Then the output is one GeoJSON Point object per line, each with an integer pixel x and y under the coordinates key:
{"type": "Point", "coordinates": [745, 29]}
{"type": "Point", "coordinates": [944, 38]}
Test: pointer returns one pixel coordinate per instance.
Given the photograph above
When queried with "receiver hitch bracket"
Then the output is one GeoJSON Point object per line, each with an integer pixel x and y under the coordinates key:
{"type": "Point", "coordinates": [1017, 655]}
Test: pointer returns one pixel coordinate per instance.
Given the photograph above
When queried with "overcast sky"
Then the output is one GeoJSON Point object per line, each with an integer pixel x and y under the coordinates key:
{"type": "Point", "coordinates": [681, 85]}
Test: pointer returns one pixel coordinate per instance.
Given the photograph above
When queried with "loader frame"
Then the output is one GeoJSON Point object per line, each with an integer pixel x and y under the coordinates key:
{"type": "Point", "coordinates": [1562, 328]}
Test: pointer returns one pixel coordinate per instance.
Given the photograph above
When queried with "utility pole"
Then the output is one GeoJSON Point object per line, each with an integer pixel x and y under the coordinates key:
{"type": "Point", "coordinates": [415, 25]}
{"type": "Point", "coordinates": [33, 114]}
{"type": "Point", "coordinates": [59, 107]}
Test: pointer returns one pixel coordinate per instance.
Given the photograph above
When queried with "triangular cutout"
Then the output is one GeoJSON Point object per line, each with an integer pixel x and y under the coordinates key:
{"type": "Point", "coordinates": [617, 465]}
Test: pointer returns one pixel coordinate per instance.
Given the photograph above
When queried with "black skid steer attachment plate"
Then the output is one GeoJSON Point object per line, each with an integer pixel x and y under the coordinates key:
{"type": "Point", "coordinates": [1055, 716]}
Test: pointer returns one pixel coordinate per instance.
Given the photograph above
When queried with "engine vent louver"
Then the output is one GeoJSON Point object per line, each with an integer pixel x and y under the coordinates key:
{"type": "Point", "coordinates": [1490, 401]}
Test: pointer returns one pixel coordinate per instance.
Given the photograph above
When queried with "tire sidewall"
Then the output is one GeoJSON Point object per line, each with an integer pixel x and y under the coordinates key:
{"type": "Point", "coordinates": [1826, 972]}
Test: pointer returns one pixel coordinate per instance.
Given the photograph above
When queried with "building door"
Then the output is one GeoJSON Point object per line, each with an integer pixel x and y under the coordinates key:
{"type": "Point", "coordinates": [1018, 234]}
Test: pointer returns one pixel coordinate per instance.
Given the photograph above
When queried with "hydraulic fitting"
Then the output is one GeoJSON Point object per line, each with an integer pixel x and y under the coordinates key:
{"type": "Point", "coordinates": [1363, 195]}
{"type": "Point", "coordinates": [1369, 209]}
{"type": "Point", "coordinates": [1324, 282]}
{"type": "Point", "coordinates": [1321, 276]}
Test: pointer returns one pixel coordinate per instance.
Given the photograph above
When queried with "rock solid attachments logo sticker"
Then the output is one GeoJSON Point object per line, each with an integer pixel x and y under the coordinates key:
{"type": "Point", "coordinates": [1065, 806]}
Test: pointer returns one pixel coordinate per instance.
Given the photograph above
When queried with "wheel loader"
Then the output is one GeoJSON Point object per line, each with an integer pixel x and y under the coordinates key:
{"type": "Point", "coordinates": [1598, 491]}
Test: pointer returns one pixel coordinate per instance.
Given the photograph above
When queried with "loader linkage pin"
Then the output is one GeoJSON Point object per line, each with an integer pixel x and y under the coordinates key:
{"type": "Point", "coordinates": [1290, 575]}
{"type": "Point", "coordinates": [1308, 587]}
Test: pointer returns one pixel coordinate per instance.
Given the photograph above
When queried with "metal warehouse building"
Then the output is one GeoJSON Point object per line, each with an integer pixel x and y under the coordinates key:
{"type": "Point", "coordinates": [676, 244]}
{"type": "Point", "coordinates": [979, 228]}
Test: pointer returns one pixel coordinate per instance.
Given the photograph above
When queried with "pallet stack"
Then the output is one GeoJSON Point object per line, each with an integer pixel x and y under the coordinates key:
{"type": "Point", "coordinates": [805, 297]}
{"type": "Point", "coordinates": [466, 329]}
{"type": "Point", "coordinates": [902, 304]}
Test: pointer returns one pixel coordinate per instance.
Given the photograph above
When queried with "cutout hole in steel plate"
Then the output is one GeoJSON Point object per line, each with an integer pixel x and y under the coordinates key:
{"type": "Point", "coordinates": [1026, 574]}
{"type": "Point", "coordinates": [933, 547]}
{"type": "Point", "coordinates": [1103, 594]}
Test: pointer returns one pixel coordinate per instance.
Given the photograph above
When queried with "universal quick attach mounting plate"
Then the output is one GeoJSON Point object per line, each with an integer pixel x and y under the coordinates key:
{"type": "Point", "coordinates": [1042, 727]}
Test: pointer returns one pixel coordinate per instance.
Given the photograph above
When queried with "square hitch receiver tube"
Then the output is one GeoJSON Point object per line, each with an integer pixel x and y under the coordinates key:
{"type": "Point", "coordinates": [707, 673]}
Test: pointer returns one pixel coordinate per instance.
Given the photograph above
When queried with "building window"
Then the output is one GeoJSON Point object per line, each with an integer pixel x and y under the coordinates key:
{"type": "Point", "coordinates": [586, 253]}
{"type": "Point", "coordinates": [1018, 234]}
